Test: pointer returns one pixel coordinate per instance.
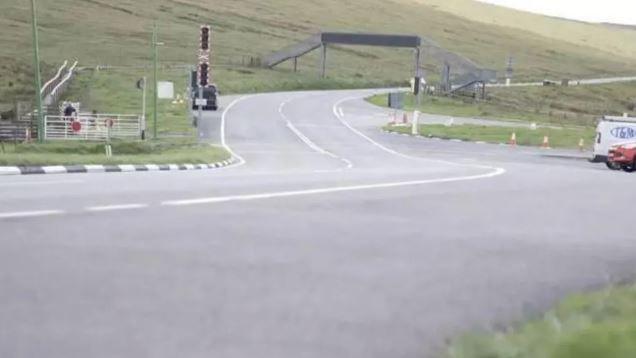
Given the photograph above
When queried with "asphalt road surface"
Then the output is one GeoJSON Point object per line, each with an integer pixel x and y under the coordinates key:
{"type": "Point", "coordinates": [330, 239]}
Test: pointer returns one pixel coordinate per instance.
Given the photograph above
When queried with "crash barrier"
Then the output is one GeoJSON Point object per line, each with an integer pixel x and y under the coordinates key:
{"type": "Point", "coordinates": [89, 127]}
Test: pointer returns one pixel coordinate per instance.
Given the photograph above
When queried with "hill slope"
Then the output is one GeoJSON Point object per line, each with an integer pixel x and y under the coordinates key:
{"type": "Point", "coordinates": [618, 40]}
{"type": "Point", "coordinates": [101, 32]}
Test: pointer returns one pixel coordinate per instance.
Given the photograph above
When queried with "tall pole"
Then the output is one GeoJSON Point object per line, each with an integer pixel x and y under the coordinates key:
{"type": "Point", "coordinates": [418, 75]}
{"type": "Point", "coordinates": [155, 91]}
{"type": "Point", "coordinates": [323, 61]}
{"type": "Point", "coordinates": [38, 78]}
{"type": "Point", "coordinates": [143, 106]}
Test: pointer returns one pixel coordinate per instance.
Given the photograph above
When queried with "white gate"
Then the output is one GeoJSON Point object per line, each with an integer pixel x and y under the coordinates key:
{"type": "Point", "coordinates": [88, 127]}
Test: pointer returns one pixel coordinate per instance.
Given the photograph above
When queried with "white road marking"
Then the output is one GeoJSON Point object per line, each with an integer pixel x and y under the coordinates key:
{"type": "Point", "coordinates": [30, 214]}
{"type": "Point", "coordinates": [116, 207]}
{"type": "Point", "coordinates": [396, 153]}
{"type": "Point", "coordinates": [283, 194]}
{"type": "Point", "coordinates": [307, 141]}
{"type": "Point", "coordinates": [241, 160]}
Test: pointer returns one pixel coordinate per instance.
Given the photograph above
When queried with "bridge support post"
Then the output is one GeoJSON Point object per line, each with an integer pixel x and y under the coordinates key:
{"type": "Point", "coordinates": [323, 60]}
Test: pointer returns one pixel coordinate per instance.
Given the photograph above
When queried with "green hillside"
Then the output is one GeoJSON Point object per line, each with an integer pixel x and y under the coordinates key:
{"type": "Point", "coordinates": [117, 33]}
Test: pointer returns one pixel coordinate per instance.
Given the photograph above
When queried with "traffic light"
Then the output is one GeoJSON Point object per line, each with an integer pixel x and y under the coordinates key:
{"type": "Point", "coordinates": [205, 38]}
{"type": "Point", "coordinates": [204, 79]}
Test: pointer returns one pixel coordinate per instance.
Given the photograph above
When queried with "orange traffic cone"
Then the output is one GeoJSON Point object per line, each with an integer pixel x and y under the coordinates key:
{"type": "Point", "coordinates": [513, 139]}
{"type": "Point", "coordinates": [546, 142]}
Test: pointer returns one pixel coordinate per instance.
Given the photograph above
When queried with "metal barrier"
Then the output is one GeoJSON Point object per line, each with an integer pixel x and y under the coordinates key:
{"type": "Point", "coordinates": [61, 86]}
{"type": "Point", "coordinates": [45, 91]}
{"type": "Point", "coordinates": [100, 127]}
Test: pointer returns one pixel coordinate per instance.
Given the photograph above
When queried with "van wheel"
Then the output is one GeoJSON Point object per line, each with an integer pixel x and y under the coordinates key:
{"type": "Point", "coordinates": [630, 168]}
{"type": "Point", "coordinates": [613, 166]}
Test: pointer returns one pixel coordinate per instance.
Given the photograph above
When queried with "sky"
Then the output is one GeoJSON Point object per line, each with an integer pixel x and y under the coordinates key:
{"type": "Point", "coordinates": [616, 11]}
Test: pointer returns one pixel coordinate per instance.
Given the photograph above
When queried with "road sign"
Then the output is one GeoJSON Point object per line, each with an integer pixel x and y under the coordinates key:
{"type": "Point", "coordinates": [76, 126]}
{"type": "Point", "coordinates": [108, 122]}
{"type": "Point", "coordinates": [396, 100]}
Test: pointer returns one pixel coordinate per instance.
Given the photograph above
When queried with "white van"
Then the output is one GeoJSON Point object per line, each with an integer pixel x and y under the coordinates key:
{"type": "Point", "coordinates": [612, 131]}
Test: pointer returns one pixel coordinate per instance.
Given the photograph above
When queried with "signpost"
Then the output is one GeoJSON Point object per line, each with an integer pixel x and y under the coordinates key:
{"type": "Point", "coordinates": [142, 84]}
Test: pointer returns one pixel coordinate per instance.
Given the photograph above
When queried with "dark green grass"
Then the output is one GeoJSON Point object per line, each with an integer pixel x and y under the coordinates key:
{"type": "Point", "coordinates": [559, 138]}
{"type": "Point", "coordinates": [576, 105]}
{"type": "Point", "coordinates": [595, 325]}
{"type": "Point", "coordinates": [182, 151]}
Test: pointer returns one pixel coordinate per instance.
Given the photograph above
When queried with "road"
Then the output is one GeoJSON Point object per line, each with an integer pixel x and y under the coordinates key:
{"type": "Point", "coordinates": [330, 239]}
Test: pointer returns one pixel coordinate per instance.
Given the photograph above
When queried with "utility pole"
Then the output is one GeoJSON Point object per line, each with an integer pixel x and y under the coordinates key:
{"type": "Point", "coordinates": [155, 91]}
{"type": "Point", "coordinates": [38, 78]}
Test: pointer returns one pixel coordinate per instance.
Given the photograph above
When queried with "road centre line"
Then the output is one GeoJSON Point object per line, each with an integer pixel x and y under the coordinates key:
{"type": "Point", "coordinates": [30, 214]}
{"type": "Point", "coordinates": [283, 194]}
{"type": "Point", "coordinates": [306, 140]}
{"type": "Point", "coordinates": [116, 207]}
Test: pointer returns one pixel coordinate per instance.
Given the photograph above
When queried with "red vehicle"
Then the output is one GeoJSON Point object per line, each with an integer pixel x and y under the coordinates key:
{"type": "Point", "coordinates": [622, 156]}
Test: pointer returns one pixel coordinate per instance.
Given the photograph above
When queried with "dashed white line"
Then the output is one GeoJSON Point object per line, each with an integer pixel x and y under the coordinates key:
{"type": "Point", "coordinates": [30, 214]}
{"type": "Point", "coordinates": [308, 141]}
{"type": "Point", "coordinates": [116, 207]}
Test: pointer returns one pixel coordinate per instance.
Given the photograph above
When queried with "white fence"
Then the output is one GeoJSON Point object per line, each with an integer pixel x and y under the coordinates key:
{"type": "Point", "coordinates": [93, 127]}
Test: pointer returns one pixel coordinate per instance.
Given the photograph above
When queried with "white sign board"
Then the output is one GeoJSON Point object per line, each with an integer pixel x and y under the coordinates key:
{"type": "Point", "coordinates": [165, 90]}
{"type": "Point", "coordinates": [201, 102]}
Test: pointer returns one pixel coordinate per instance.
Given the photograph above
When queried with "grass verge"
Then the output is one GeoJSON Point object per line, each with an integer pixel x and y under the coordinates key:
{"type": "Point", "coordinates": [566, 106]}
{"type": "Point", "coordinates": [600, 324]}
{"type": "Point", "coordinates": [182, 151]}
{"type": "Point", "coordinates": [559, 138]}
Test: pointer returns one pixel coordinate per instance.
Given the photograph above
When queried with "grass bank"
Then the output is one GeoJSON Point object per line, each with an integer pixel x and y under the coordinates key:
{"type": "Point", "coordinates": [183, 151]}
{"type": "Point", "coordinates": [595, 325]}
{"type": "Point", "coordinates": [559, 138]}
{"type": "Point", "coordinates": [576, 105]}
{"type": "Point", "coordinates": [118, 33]}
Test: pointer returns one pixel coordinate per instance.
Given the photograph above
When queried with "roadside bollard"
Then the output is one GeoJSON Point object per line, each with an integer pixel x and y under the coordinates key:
{"type": "Point", "coordinates": [546, 142]}
{"type": "Point", "coordinates": [109, 150]}
{"type": "Point", "coordinates": [582, 145]}
{"type": "Point", "coordinates": [405, 118]}
{"type": "Point", "coordinates": [513, 139]}
{"type": "Point", "coordinates": [415, 130]}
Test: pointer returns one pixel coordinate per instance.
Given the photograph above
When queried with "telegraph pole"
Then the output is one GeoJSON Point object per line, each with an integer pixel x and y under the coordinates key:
{"type": "Point", "coordinates": [154, 77]}
{"type": "Point", "coordinates": [38, 78]}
